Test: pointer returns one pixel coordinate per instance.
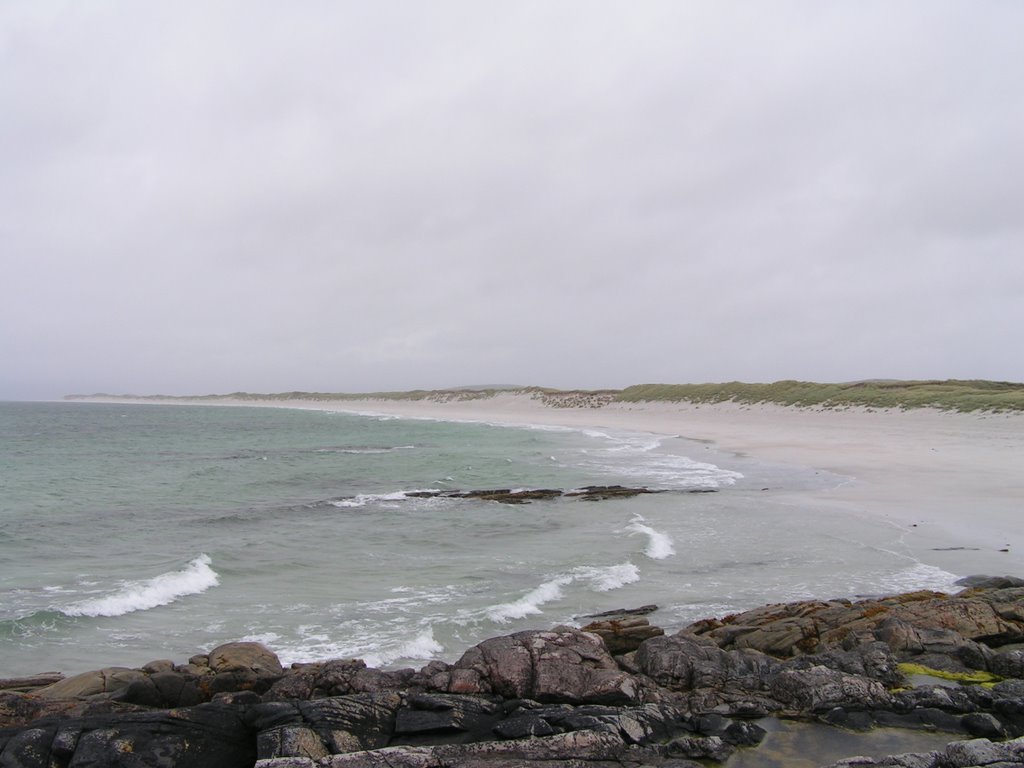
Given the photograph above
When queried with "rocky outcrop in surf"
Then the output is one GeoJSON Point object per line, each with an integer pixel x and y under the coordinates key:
{"type": "Point", "coordinates": [619, 692]}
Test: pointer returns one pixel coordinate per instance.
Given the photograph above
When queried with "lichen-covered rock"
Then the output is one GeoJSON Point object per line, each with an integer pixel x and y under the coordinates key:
{"type": "Point", "coordinates": [912, 623]}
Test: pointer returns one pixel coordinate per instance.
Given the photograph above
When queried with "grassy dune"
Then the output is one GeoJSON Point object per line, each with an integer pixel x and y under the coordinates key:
{"type": "Point", "coordinates": [949, 395]}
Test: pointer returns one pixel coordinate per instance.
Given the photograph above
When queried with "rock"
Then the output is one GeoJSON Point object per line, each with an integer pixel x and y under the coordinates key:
{"type": "Point", "coordinates": [355, 722]}
{"type": "Point", "coordinates": [983, 724]}
{"type": "Point", "coordinates": [242, 666]}
{"type": "Point", "coordinates": [1007, 663]}
{"type": "Point", "coordinates": [963, 754]}
{"type": "Point", "coordinates": [700, 748]}
{"type": "Point", "coordinates": [190, 738]}
{"type": "Point", "coordinates": [96, 683]}
{"type": "Point", "coordinates": [990, 582]}
{"type": "Point", "coordinates": [30, 747]}
{"type": "Point", "coordinates": [688, 663]}
{"type": "Point", "coordinates": [255, 657]}
{"type": "Point", "coordinates": [525, 496]}
{"type": "Point", "coordinates": [871, 659]}
{"type": "Point", "coordinates": [580, 748]}
{"type": "Point", "coordinates": [29, 683]}
{"type": "Point", "coordinates": [819, 689]}
{"type": "Point", "coordinates": [738, 733]}
{"type": "Point", "coordinates": [432, 713]}
{"type": "Point", "coordinates": [524, 726]}
{"type": "Point", "coordinates": [557, 697]}
{"type": "Point", "coordinates": [290, 741]}
{"type": "Point", "coordinates": [604, 492]}
{"type": "Point", "coordinates": [912, 623]}
{"type": "Point", "coordinates": [568, 666]}
{"type": "Point", "coordinates": [623, 635]}
{"type": "Point", "coordinates": [643, 610]}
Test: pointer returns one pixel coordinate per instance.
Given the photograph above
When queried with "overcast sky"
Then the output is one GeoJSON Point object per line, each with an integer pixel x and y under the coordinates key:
{"type": "Point", "coordinates": [338, 196]}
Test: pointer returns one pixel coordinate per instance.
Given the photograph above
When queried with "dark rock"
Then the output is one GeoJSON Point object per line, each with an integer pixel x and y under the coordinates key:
{"type": "Point", "coordinates": [700, 748]}
{"type": "Point", "coordinates": [1007, 663]}
{"type": "Point", "coordinates": [28, 748]}
{"type": "Point", "coordinates": [741, 733]}
{"type": "Point", "coordinates": [356, 722]}
{"type": "Point", "coordinates": [990, 582]}
{"type": "Point", "coordinates": [524, 726]}
{"type": "Point", "coordinates": [853, 720]}
{"type": "Point", "coordinates": [201, 736]}
{"type": "Point", "coordinates": [525, 496]}
{"type": "Point", "coordinates": [983, 724]}
{"type": "Point", "coordinates": [623, 635]}
{"type": "Point", "coordinates": [643, 610]}
{"type": "Point", "coordinates": [290, 741]}
{"type": "Point", "coordinates": [469, 716]}
{"type": "Point", "coordinates": [604, 492]}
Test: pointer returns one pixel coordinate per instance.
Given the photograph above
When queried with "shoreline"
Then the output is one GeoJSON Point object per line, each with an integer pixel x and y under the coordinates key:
{"type": "Point", "coordinates": [950, 481]}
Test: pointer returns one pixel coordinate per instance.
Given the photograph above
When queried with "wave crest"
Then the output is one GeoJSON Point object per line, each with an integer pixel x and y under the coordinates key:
{"type": "Point", "coordinates": [598, 579]}
{"type": "Point", "coordinates": [659, 544]}
{"type": "Point", "coordinates": [193, 579]}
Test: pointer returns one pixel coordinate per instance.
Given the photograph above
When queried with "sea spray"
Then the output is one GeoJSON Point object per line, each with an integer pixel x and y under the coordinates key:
{"type": "Point", "coordinates": [193, 579]}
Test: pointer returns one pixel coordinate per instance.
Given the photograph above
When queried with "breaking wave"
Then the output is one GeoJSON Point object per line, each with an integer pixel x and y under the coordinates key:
{"type": "Point", "coordinates": [596, 578]}
{"type": "Point", "coordinates": [193, 579]}
{"type": "Point", "coordinates": [659, 544]}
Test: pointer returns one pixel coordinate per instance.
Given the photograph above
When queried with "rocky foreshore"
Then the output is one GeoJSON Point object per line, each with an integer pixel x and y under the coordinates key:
{"type": "Point", "coordinates": [618, 692]}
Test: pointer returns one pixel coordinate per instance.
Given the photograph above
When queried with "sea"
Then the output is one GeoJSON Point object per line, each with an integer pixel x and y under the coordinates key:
{"type": "Point", "coordinates": [130, 533]}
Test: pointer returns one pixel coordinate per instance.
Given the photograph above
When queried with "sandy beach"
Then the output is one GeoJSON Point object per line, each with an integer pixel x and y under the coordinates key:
{"type": "Point", "coordinates": [955, 481]}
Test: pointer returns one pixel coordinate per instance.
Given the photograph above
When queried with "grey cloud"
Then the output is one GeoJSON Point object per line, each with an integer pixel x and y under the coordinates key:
{"type": "Point", "coordinates": [228, 195]}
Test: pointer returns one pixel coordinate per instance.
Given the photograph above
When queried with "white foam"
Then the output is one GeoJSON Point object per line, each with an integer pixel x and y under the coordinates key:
{"type": "Point", "coordinates": [193, 579]}
{"type": "Point", "coordinates": [659, 544]}
{"type": "Point", "coordinates": [318, 645]}
{"type": "Point", "coordinates": [597, 578]}
{"type": "Point", "coordinates": [608, 578]}
{"type": "Point", "coordinates": [363, 499]}
{"type": "Point", "coordinates": [919, 576]}
{"type": "Point", "coordinates": [530, 603]}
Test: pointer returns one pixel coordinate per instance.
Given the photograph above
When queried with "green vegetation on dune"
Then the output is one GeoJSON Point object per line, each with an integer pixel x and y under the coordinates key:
{"type": "Point", "coordinates": [950, 395]}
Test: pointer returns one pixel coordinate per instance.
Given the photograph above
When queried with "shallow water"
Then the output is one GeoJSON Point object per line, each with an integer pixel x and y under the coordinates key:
{"type": "Point", "coordinates": [810, 745]}
{"type": "Point", "coordinates": [131, 533]}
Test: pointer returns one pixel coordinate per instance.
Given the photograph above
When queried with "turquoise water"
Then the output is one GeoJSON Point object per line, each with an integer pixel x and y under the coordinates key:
{"type": "Point", "coordinates": [131, 533]}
